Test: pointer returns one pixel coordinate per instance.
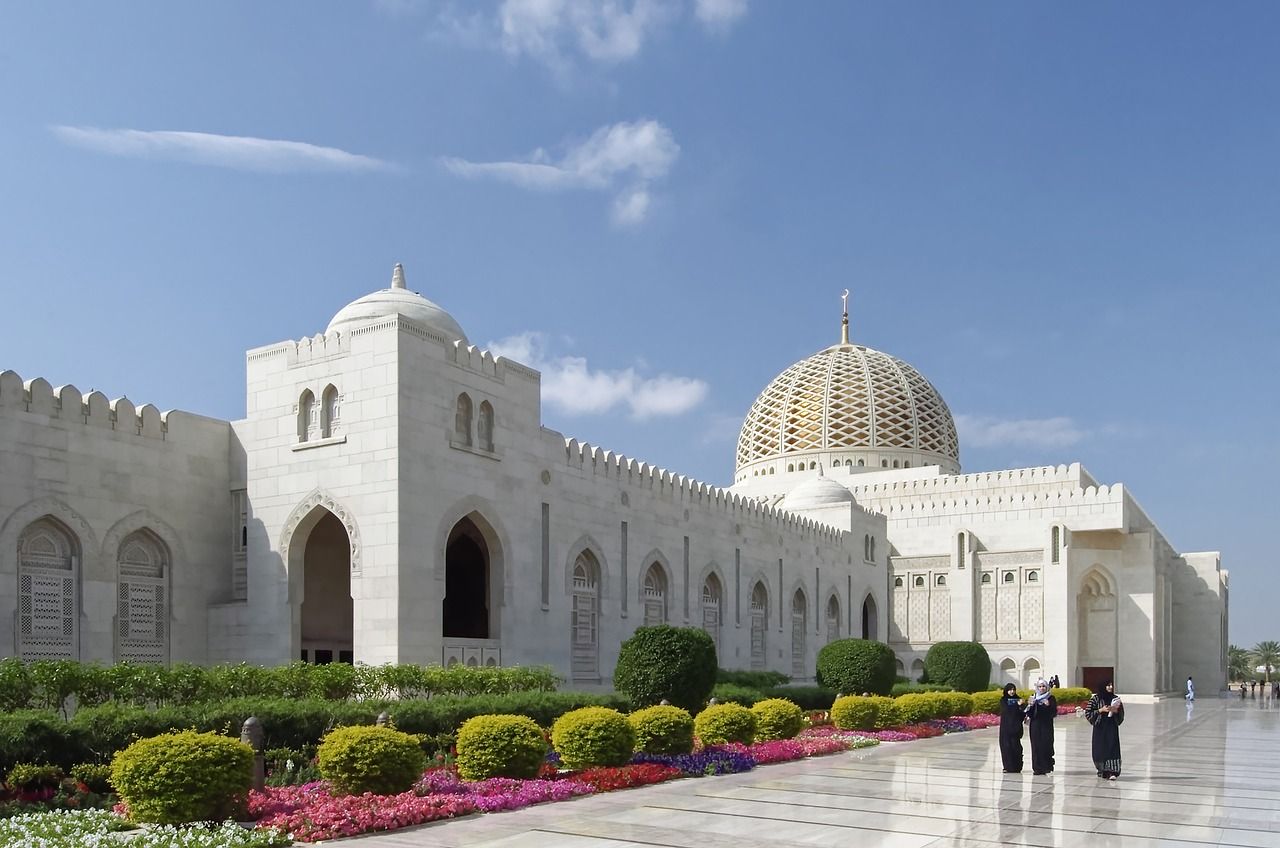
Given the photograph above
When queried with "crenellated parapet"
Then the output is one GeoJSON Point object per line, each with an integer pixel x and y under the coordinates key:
{"type": "Point", "coordinates": [1048, 475]}
{"type": "Point", "coordinates": [928, 504]}
{"type": "Point", "coordinates": [317, 347]}
{"type": "Point", "coordinates": [485, 363]}
{"type": "Point", "coordinates": [66, 403]}
{"type": "Point", "coordinates": [598, 462]}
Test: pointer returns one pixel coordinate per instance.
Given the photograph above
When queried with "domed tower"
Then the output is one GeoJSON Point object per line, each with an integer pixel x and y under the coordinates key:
{"type": "Point", "coordinates": [397, 300]}
{"type": "Point", "coordinates": [849, 408]}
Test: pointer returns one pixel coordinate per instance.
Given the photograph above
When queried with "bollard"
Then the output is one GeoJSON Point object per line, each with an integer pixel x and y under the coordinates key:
{"type": "Point", "coordinates": [383, 719]}
{"type": "Point", "coordinates": [251, 735]}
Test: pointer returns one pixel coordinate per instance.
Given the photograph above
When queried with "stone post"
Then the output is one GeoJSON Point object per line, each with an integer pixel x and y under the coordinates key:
{"type": "Point", "coordinates": [383, 719]}
{"type": "Point", "coordinates": [251, 734]}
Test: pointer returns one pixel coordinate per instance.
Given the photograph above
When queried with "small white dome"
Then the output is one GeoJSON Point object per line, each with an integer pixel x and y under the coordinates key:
{"type": "Point", "coordinates": [818, 492]}
{"type": "Point", "coordinates": [396, 300]}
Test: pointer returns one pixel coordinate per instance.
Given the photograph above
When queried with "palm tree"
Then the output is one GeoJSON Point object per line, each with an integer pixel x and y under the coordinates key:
{"type": "Point", "coordinates": [1238, 665]}
{"type": "Point", "coordinates": [1267, 654]}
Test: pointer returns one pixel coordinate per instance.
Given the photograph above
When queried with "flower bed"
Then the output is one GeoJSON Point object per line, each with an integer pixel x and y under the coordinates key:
{"type": "Point", "coordinates": [500, 793]}
{"type": "Point", "coordinates": [708, 761]}
{"type": "Point", "coordinates": [310, 813]}
{"type": "Point", "coordinates": [100, 828]}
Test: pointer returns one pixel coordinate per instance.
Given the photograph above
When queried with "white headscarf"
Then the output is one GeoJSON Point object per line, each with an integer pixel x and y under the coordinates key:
{"type": "Point", "coordinates": [1040, 696]}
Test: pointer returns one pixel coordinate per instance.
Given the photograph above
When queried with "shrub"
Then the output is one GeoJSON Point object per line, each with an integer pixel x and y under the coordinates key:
{"type": "Point", "coordinates": [987, 701]}
{"type": "Point", "coordinates": [676, 664]}
{"type": "Point", "coordinates": [38, 736]}
{"type": "Point", "coordinates": [955, 704]}
{"type": "Point", "coordinates": [752, 679]}
{"type": "Point", "coordinates": [777, 718]}
{"type": "Point", "coordinates": [857, 712]}
{"type": "Point", "coordinates": [94, 777]}
{"type": "Point", "coordinates": [662, 730]}
{"type": "Point", "coordinates": [733, 693]}
{"type": "Point", "coordinates": [854, 666]}
{"type": "Point", "coordinates": [500, 746]}
{"type": "Point", "coordinates": [17, 689]}
{"type": "Point", "coordinates": [721, 723]}
{"type": "Point", "coordinates": [593, 736]}
{"type": "Point", "coordinates": [1072, 695]}
{"type": "Point", "coordinates": [29, 777]}
{"type": "Point", "coordinates": [806, 697]}
{"type": "Point", "coordinates": [917, 707]}
{"type": "Point", "coordinates": [184, 777]}
{"type": "Point", "coordinates": [900, 688]}
{"type": "Point", "coordinates": [964, 666]}
{"type": "Point", "coordinates": [356, 760]}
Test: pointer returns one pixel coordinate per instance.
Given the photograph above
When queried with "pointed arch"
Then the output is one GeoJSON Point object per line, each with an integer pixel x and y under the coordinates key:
{"type": "Point", "coordinates": [484, 426]}
{"type": "Point", "coordinates": [306, 509]}
{"type": "Point", "coordinates": [833, 617]}
{"type": "Point", "coordinates": [712, 603]}
{"type": "Point", "coordinates": [584, 617]}
{"type": "Point", "coordinates": [655, 587]}
{"type": "Point", "coordinates": [870, 618]}
{"type": "Point", "coordinates": [759, 606]}
{"type": "Point", "coordinates": [462, 419]}
{"type": "Point", "coordinates": [330, 411]}
{"type": "Point", "coordinates": [49, 587]}
{"type": "Point", "coordinates": [799, 632]}
{"type": "Point", "coordinates": [143, 564]}
{"type": "Point", "coordinates": [587, 542]}
{"type": "Point", "coordinates": [1009, 672]}
{"type": "Point", "coordinates": [307, 418]}
{"type": "Point", "coordinates": [489, 529]}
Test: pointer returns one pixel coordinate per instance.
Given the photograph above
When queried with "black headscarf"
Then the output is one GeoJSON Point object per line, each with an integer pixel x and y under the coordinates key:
{"type": "Point", "coordinates": [1010, 694]}
{"type": "Point", "coordinates": [1103, 695]}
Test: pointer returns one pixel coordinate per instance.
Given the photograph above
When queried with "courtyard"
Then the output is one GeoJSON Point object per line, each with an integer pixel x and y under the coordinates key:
{"type": "Point", "coordinates": [1204, 775]}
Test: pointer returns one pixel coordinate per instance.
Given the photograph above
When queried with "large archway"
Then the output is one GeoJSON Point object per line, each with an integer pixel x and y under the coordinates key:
{"type": "Point", "coordinates": [870, 620]}
{"type": "Point", "coordinates": [327, 615]}
{"type": "Point", "coordinates": [467, 585]}
{"type": "Point", "coordinates": [1097, 627]}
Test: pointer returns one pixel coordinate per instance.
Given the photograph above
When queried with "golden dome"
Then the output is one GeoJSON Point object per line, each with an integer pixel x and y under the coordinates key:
{"type": "Point", "coordinates": [863, 406]}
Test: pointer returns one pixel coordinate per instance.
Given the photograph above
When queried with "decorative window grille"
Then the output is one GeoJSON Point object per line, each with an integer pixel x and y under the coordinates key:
{"type": "Point", "coordinates": [142, 600]}
{"type": "Point", "coordinates": [584, 631]}
{"type": "Point", "coordinates": [986, 577]}
{"type": "Point", "coordinates": [1008, 577]}
{"type": "Point", "coordinates": [307, 422]}
{"type": "Point", "coordinates": [330, 412]}
{"type": "Point", "coordinates": [833, 619]}
{"type": "Point", "coordinates": [1055, 537]}
{"type": "Point", "coordinates": [655, 596]}
{"type": "Point", "coordinates": [711, 595]}
{"type": "Point", "coordinates": [897, 582]}
{"type": "Point", "coordinates": [462, 420]}
{"type": "Point", "coordinates": [239, 544]}
{"type": "Point", "coordinates": [799, 627]}
{"type": "Point", "coordinates": [759, 625]}
{"type": "Point", "coordinates": [48, 593]}
{"type": "Point", "coordinates": [960, 550]}
{"type": "Point", "coordinates": [941, 580]}
{"type": "Point", "coordinates": [484, 426]}
{"type": "Point", "coordinates": [919, 581]}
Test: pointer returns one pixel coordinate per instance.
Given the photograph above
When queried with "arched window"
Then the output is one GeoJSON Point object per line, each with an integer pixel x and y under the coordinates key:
{"type": "Point", "coordinates": [884, 463]}
{"type": "Point", "coordinates": [848, 463]}
{"type": "Point", "coordinates": [870, 618]}
{"type": "Point", "coordinates": [906, 464]}
{"type": "Point", "coordinates": [1033, 577]}
{"type": "Point", "coordinates": [986, 578]}
{"type": "Point", "coordinates": [484, 426]}
{"type": "Point", "coordinates": [897, 582]}
{"type": "Point", "coordinates": [772, 470]}
{"type": "Point", "coordinates": [791, 466]}
{"type": "Point", "coordinates": [866, 546]}
{"type": "Point", "coordinates": [919, 581]}
{"type": "Point", "coordinates": [873, 549]}
{"type": "Point", "coordinates": [895, 463]}
{"type": "Point", "coordinates": [306, 415]}
{"type": "Point", "coordinates": [941, 580]}
{"type": "Point", "coordinates": [759, 624]}
{"type": "Point", "coordinates": [799, 629]}
{"type": "Point", "coordinates": [142, 599]}
{"type": "Point", "coordinates": [462, 420]}
{"type": "Point", "coordinates": [833, 618]}
{"type": "Point", "coordinates": [584, 630]}
{"type": "Point", "coordinates": [813, 465]}
{"type": "Point", "coordinates": [1055, 543]}
{"type": "Point", "coordinates": [329, 411]}
{"type": "Point", "coordinates": [862, 463]}
{"type": "Point", "coordinates": [711, 594]}
{"type": "Point", "coordinates": [1008, 577]}
{"type": "Point", "coordinates": [655, 596]}
{"type": "Point", "coordinates": [48, 592]}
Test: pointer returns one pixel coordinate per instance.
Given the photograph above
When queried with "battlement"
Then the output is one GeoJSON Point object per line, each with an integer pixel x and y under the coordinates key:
{"type": "Point", "coordinates": [481, 361]}
{"type": "Point", "coordinates": [603, 463]}
{"type": "Point", "coordinates": [917, 506]}
{"type": "Point", "coordinates": [319, 346]}
{"type": "Point", "coordinates": [1048, 475]}
{"type": "Point", "coordinates": [38, 397]}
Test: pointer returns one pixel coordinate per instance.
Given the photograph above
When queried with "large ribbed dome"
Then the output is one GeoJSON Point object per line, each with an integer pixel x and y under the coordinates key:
{"type": "Point", "coordinates": [854, 405]}
{"type": "Point", "coordinates": [397, 300]}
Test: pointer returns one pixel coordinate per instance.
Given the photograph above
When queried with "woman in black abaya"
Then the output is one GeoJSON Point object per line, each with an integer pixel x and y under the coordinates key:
{"type": "Point", "coordinates": [1106, 713]}
{"type": "Point", "coordinates": [1011, 716]}
{"type": "Point", "coordinates": [1042, 709]}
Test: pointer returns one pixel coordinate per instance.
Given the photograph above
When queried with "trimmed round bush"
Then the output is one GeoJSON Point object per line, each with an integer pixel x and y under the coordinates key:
{"type": "Point", "coordinates": [178, 778]}
{"type": "Point", "coordinates": [964, 666]}
{"type": "Point", "coordinates": [777, 718]}
{"type": "Point", "coordinates": [593, 736]}
{"type": "Point", "coordinates": [858, 712]}
{"type": "Point", "coordinates": [987, 701]}
{"type": "Point", "coordinates": [721, 723]}
{"type": "Point", "coordinates": [955, 704]}
{"type": "Point", "coordinates": [1071, 695]}
{"type": "Point", "coordinates": [676, 664]}
{"type": "Point", "coordinates": [500, 746]}
{"type": "Point", "coordinates": [854, 666]}
{"type": "Point", "coordinates": [917, 706]}
{"type": "Point", "coordinates": [361, 759]}
{"type": "Point", "coordinates": [663, 729]}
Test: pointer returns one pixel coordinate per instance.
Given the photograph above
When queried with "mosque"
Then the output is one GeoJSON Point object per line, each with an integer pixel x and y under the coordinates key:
{"type": "Point", "coordinates": [392, 496]}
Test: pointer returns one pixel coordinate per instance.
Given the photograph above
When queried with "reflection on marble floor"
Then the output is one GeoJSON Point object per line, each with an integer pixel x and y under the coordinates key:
{"type": "Point", "coordinates": [1207, 775]}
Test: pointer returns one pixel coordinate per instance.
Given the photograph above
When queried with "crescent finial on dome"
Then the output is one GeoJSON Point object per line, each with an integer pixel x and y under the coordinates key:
{"type": "Point", "coordinates": [397, 277]}
{"type": "Point", "coordinates": [844, 321]}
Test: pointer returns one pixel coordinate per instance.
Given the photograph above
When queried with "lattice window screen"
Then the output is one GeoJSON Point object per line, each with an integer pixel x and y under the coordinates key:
{"type": "Point", "coordinates": [48, 597]}
{"type": "Point", "coordinates": [142, 609]}
{"type": "Point", "coordinates": [585, 625]}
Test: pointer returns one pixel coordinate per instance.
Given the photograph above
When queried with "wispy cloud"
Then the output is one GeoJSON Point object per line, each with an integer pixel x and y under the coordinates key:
{"type": "Point", "coordinates": [983, 431]}
{"type": "Point", "coordinates": [572, 386]}
{"type": "Point", "coordinates": [558, 33]}
{"type": "Point", "coordinates": [630, 155]}
{"type": "Point", "coordinates": [241, 153]}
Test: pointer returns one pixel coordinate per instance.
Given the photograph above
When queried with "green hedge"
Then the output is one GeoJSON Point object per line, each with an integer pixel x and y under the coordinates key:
{"type": "Point", "coordinates": [96, 733]}
{"type": "Point", "coordinates": [49, 684]}
{"type": "Point", "coordinates": [854, 666]}
{"type": "Point", "coordinates": [900, 689]}
{"type": "Point", "coordinates": [806, 697]}
{"type": "Point", "coordinates": [675, 664]}
{"type": "Point", "coordinates": [964, 666]}
{"type": "Point", "coordinates": [752, 679]}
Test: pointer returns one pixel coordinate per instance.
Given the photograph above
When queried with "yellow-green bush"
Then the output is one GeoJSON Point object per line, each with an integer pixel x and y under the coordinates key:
{"type": "Point", "coordinates": [176, 778]}
{"type": "Point", "coordinates": [593, 736]}
{"type": "Point", "coordinates": [500, 746]}
{"type": "Point", "coordinates": [662, 730]}
{"type": "Point", "coordinates": [987, 701]}
{"type": "Point", "coordinates": [361, 759]}
{"type": "Point", "coordinates": [954, 704]}
{"type": "Point", "coordinates": [721, 723]}
{"type": "Point", "coordinates": [1072, 695]}
{"type": "Point", "coordinates": [863, 712]}
{"type": "Point", "coordinates": [777, 718]}
{"type": "Point", "coordinates": [917, 706]}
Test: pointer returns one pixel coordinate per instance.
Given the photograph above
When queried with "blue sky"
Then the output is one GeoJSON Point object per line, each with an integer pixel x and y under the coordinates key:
{"type": "Point", "coordinates": [1065, 216]}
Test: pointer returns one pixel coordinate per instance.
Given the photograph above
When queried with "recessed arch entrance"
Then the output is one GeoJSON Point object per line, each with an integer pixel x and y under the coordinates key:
{"type": "Point", "coordinates": [1097, 609]}
{"type": "Point", "coordinates": [472, 586]}
{"type": "Point", "coordinates": [320, 589]}
{"type": "Point", "coordinates": [870, 619]}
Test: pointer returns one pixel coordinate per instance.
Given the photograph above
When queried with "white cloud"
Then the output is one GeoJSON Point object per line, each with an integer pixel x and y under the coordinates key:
{"type": "Point", "coordinates": [629, 154]}
{"type": "Point", "coordinates": [572, 386]}
{"type": "Point", "coordinates": [984, 431]}
{"type": "Point", "coordinates": [241, 153]}
{"type": "Point", "coordinates": [719, 14]}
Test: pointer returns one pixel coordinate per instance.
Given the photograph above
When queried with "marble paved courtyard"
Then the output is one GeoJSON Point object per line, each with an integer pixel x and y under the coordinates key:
{"type": "Point", "coordinates": [1192, 777]}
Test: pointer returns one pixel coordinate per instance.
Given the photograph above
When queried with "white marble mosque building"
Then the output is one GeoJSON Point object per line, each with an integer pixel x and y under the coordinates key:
{"type": "Point", "coordinates": [392, 496]}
